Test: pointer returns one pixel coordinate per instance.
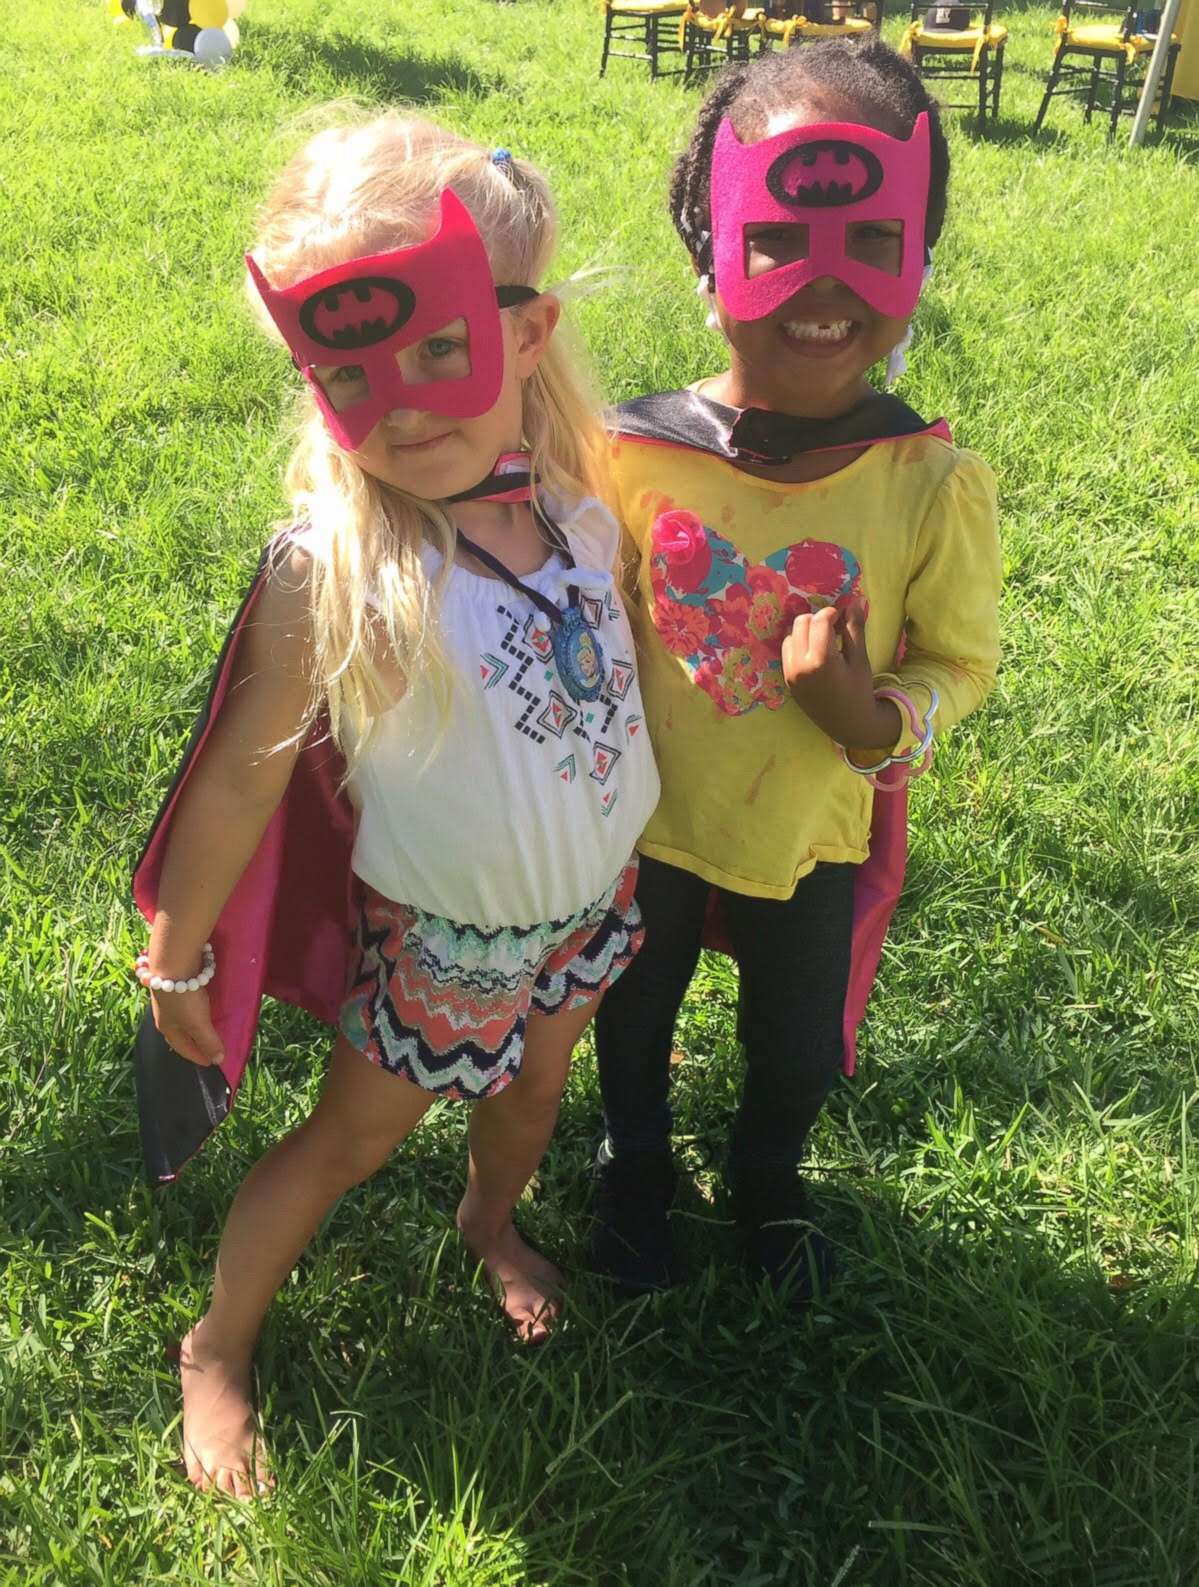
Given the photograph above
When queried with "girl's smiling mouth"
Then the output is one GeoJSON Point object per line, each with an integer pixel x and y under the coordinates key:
{"type": "Point", "coordinates": [427, 445]}
{"type": "Point", "coordinates": [819, 338]}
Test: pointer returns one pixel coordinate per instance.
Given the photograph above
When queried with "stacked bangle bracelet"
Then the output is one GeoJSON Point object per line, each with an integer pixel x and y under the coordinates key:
{"type": "Point", "coordinates": [188, 983]}
{"type": "Point", "coordinates": [912, 762]}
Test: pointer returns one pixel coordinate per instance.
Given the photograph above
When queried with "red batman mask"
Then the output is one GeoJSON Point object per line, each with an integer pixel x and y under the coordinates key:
{"type": "Point", "coordinates": [826, 178]}
{"type": "Point", "coordinates": [365, 311]}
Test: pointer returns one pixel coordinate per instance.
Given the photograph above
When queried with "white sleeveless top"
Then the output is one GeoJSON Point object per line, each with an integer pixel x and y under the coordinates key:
{"type": "Point", "coordinates": [532, 802]}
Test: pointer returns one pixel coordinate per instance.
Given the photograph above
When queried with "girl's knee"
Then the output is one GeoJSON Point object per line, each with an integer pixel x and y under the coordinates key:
{"type": "Point", "coordinates": [541, 1100]}
{"type": "Point", "coordinates": [531, 1095]}
{"type": "Point", "coordinates": [363, 1114]}
{"type": "Point", "coordinates": [343, 1152]}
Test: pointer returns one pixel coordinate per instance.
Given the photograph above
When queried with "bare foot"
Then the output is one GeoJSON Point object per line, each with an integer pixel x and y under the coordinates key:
{"type": "Point", "coordinates": [529, 1284]}
{"type": "Point", "coordinates": [222, 1445]}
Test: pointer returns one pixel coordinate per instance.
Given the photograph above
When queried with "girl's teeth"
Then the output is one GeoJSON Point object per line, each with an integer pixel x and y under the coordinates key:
{"type": "Point", "coordinates": [813, 331]}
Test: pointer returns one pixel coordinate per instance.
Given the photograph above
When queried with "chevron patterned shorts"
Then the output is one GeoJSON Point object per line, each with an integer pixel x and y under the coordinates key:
{"type": "Point", "coordinates": [446, 1004]}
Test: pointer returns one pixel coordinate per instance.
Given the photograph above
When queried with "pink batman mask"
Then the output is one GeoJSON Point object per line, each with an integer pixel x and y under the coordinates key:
{"type": "Point", "coordinates": [825, 177]}
{"type": "Point", "coordinates": [367, 310]}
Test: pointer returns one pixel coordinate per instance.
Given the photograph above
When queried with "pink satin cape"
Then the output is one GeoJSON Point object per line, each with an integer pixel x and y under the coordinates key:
{"type": "Point", "coordinates": [285, 930]}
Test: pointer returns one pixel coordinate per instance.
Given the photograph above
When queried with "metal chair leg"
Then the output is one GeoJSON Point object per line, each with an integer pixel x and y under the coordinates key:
{"type": "Point", "coordinates": [1093, 90]}
{"type": "Point", "coordinates": [607, 42]}
{"type": "Point", "coordinates": [982, 87]}
{"type": "Point", "coordinates": [1117, 97]}
{"type": "Point", "coordinates": [1054, 73]}
{"type": "Point", "coordinates": [1167, 89]}
{"type": "Point", "coordinates": [998, 78]}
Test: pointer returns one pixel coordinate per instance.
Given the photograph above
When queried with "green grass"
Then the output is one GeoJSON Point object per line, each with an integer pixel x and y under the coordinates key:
{"type": "Point", "coordinates": [1005, 1386]}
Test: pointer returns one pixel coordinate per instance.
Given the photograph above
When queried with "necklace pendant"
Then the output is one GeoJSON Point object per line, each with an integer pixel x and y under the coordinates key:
{"type": "Point", "coordinates": [579, 655]}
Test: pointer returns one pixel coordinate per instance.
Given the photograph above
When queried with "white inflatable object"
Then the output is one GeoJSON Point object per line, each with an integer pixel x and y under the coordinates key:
{"type": "Point", "coordinates": [213, 47]}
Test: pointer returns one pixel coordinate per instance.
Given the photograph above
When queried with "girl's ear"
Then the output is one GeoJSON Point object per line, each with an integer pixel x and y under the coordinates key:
{"type": "Point", "coordinates": [533, 325]}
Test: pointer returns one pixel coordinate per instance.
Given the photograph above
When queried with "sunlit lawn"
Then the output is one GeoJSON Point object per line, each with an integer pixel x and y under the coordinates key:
{"type": "Point", "coordinates": [1003, 1387]}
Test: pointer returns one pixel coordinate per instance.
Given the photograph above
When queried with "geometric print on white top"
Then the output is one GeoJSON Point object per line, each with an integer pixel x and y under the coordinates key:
{"type": "Point", "coordinates": [520, 804]}
{"type": "Point", "coordinates": [525, 668]}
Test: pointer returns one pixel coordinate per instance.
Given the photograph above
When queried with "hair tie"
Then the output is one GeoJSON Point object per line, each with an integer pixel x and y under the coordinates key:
{"type": "Point", "coordinates": [502, 160]}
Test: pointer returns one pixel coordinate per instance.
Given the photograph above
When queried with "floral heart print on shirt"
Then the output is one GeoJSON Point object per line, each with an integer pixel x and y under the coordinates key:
{"type": "Point", "coordinates": [727, 617]}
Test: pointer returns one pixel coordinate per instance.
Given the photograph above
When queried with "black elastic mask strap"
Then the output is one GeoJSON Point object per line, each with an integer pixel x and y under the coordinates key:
{"type": "Point", "coordinates": [512, 297]}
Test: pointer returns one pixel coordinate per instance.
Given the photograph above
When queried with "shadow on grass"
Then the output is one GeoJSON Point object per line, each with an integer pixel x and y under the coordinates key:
{"type": "Point", "coordinates": [1181, 132]}
{"type": "Point", "coordinates": [362, 69]}
{"type": "Point", "coordinates": [975, 1390]}
{"type": "Point", "coordinates": [1008, 131]}
{"type": "Point", "coordinates": [964, 1397]}
{"type": "Point", "coordinates": [1012, 8]}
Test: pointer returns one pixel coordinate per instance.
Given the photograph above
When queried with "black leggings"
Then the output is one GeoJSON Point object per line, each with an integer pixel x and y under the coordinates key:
{"type": "Point", "coordinates": [794, 969]}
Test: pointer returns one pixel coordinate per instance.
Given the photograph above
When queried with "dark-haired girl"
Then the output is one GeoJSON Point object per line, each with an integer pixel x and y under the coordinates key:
{"type": "Point", "coordinates": [818, 580]}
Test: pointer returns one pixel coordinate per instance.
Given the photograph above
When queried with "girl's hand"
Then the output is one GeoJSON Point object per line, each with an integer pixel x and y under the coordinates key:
{"type": "Point", "coordinates": [184, 1022]}
{"type": "Point", "coordinates": [828, 673]}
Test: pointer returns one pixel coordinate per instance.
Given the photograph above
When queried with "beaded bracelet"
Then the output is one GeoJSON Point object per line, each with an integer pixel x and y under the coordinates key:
{"type": "Point", "coordinates": [187, 983]}
{"type": "Point", "coordinates": [913, 762]}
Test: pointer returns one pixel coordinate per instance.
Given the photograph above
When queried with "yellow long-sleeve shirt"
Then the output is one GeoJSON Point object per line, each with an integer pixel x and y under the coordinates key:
{"type": "Point", "coordinates": [753, 793]}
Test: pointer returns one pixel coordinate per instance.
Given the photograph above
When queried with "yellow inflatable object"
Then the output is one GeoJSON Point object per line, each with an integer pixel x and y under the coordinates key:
{"type": "Point", "coordinates": [208, 13]}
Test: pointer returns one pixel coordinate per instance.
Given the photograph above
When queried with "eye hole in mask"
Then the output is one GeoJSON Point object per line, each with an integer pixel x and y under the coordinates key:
{"type": "Point", "coordinates": [445, 355]}
{"type": "Point", "coordinates": [875, 243]}
{"type": "Point", "coordinates": [772, 245]}
{"type": "Point", "coordinates": [345, 385]}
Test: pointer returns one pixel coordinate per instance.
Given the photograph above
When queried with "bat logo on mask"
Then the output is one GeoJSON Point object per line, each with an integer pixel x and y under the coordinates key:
{"type": "Point", "coordinates": [359, 313]}
{"type": "Point", "coordinates": [824, 173]}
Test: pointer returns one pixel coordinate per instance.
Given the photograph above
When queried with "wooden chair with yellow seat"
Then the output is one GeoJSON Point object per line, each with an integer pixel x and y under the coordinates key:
{"type": "Point", "coordinates": [652, 24]}
{"type": "Point", "coordinates": [713, 32]}
{"type": "Point", "coordinates": [789, 22]}
{"type": "Point", "coordinates": [959, 41]}
{"type": "Point", "coordinates": [1124, 46]}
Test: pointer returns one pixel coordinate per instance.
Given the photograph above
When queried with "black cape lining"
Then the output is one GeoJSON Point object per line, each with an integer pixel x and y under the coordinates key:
{"type": "Point", "coordinates": [685, 418]}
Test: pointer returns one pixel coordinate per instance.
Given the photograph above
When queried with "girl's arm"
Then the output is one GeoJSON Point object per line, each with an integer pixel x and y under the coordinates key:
{"type": "Point", "coordinates": [230, 797]}
{"type": "Point", "coordinates": [952, 626]}
{"type": "Point", "coordinates": [952, 603]}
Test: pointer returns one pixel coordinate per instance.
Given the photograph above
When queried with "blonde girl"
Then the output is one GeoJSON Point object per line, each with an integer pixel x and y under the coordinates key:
{"type": "Point", "coordinates": [431, 692]}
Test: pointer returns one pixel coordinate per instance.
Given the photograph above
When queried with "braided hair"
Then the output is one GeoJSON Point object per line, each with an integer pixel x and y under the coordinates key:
{"type": "Point", "coordinates": [870, 75]}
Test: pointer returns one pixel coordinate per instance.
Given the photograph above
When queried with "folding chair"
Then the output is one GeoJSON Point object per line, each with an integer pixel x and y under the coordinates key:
{"type": "Point", "coordinates": [711, 34]}
{"type": "Point", "coordinates": [652, 24]}
{"type": "Point", "coordinates": [812, 20]}
{"type": "Point", "coordinates": [959, 42]}
{"type": "Point", "coordinates": [1123, 46]}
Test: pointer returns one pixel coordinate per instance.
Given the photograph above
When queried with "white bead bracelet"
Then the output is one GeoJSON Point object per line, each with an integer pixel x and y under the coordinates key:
{"type": "Point", "coordinates": [188, 983]}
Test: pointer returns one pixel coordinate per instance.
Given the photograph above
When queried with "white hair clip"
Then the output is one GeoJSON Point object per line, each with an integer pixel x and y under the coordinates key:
{"type": "Point", "coordinates": [703, 291]}
{"type": "Point", "coordinates": [896, 360]}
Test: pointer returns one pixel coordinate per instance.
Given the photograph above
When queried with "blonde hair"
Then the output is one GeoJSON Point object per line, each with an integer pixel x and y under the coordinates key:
{"type": "Point", "coordinates": [362, 189]}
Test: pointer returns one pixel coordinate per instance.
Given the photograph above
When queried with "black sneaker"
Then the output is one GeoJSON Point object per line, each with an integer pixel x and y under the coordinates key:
{"type": "Point", "coordinates": [631, 1243]}
{"type": "Point", "coordinates": [783, 1244]}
